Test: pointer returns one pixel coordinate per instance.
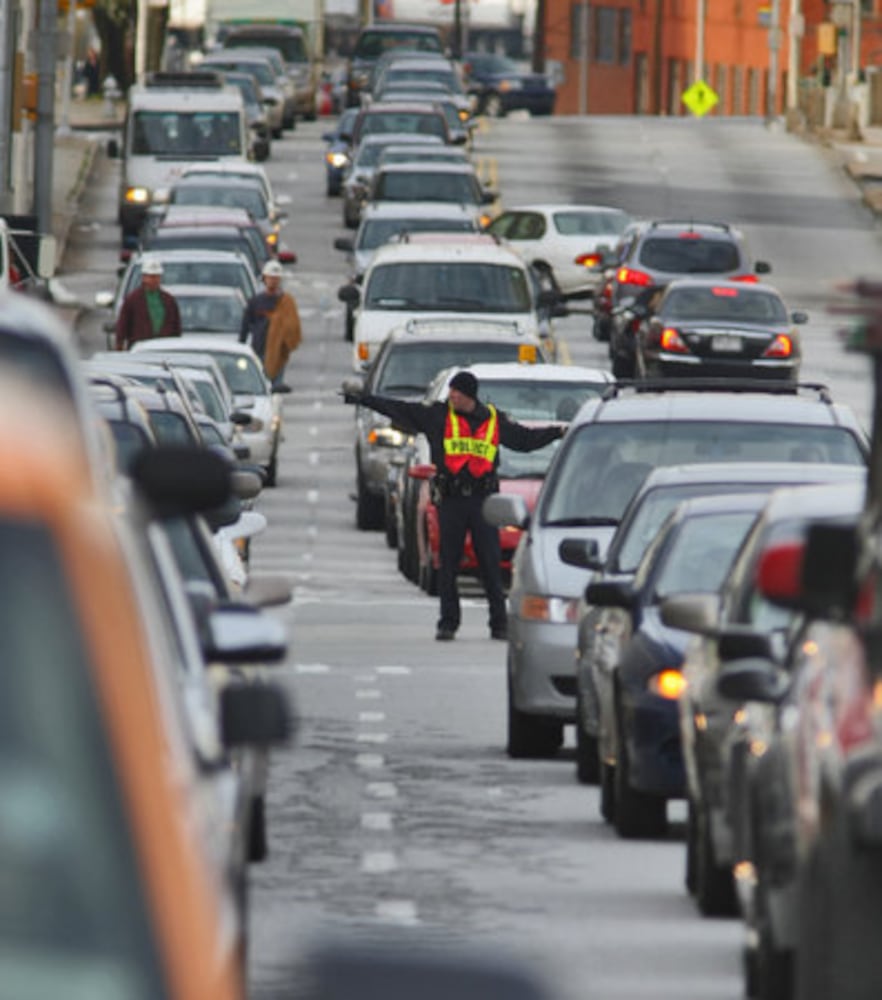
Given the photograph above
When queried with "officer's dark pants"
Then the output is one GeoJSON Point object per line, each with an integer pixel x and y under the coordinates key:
{"type": "Point", "coordinates": [456, 516]}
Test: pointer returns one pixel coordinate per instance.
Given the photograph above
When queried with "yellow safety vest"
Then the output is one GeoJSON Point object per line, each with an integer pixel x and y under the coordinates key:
{"type": "Point", "coordinates": [476, 451]}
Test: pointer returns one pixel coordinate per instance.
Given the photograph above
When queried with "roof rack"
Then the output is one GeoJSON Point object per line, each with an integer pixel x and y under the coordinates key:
{"type": "Point", "coordinates": [768, 386]}
{"type": "Point", "coordinates": [691, 223]}
{"type": "Point", "coordinates": [197, 79]}
{"type": "Point", "coordinates": [444, 324]}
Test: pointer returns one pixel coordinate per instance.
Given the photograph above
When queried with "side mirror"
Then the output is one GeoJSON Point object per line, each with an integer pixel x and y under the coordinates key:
{"type": "Point", "coordinates": [113, 149]}
{"type": "Point", "coordinates": [286, 257]}
{"type": "Point", "coordinates": [353, 386]}
{"type": "Point", "coordinates": [281, 389]}
{"type": "Point", "coordinates": [104, 300]}
{"type": "Point", "coordinates": [488, 196]}
{"type": "Point", "coordinates": [581, 552]}
{"type": "Point", "coordinates": [254, 715]}
{"type": "Point", "coordinates": [762, 267]}
{"type": "Point", "coordinates": [345, 244]}
{"type": "Point", "coordinates": [753, 679]}
{"type": "Point", "coordinates": [179, 479]}
{"type": "Point", "coordinates": [421, 472]}
{"type": "Point", "coordinates": [610, 594]}
{"type": "Point", "coordinates": [799, 317]}
{"type": "Point", "coordinates": [740, 644]}
{"type": "Point", "coordinates": [246, 485]}
{"type": "Point", "coordinates": [240, 419]}
{"type": "Point", "coordinates": [504, 510]}
{"type": "Point", "coordinates": [349, 294]}
{"type": "Point", "coordinates": [239, 633]}
{"type": "Point", "coordinates": [698, 613]}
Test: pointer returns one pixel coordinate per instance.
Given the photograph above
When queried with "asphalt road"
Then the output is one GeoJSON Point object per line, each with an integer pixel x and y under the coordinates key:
{"type": "Point", "coordinates": [397, 812]}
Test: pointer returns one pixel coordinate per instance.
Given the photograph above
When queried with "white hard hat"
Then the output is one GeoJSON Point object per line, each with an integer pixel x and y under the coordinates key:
{"type": "Point", "coordinates": [151, 265]}
{"type": "Point", "coordinates": [272, 269]}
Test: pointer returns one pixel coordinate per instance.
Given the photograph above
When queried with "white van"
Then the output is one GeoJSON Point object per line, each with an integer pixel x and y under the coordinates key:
{"type": "Point", "coordinates": [174, 120]}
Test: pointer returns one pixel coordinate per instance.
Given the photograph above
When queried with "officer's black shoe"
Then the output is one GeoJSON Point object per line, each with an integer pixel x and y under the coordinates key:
{"type": "Point", "coordinates": [445, 634]}
{"type": "Point", "coordinates": [500, 632]}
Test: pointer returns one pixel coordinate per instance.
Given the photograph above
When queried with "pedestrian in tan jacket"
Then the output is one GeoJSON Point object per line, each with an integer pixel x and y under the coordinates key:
{"type": "Point", "coordinates": [271, 323]}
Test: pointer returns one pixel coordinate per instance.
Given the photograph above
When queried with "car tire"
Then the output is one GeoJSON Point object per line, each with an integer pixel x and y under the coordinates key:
{"type": "Point", "coordinates": [389, 523]}
{"type": "Point", "coordinates": [772, 966]}
{"type": "Point", "coordinates": [258, 846]}
{"type": "Point", "coordinates": [600, 329]}
{"type": "Point", "coordinates": [428, 575]}
{"type": "Point", "coordinates": [349, 326]}
{"type": "Point", "coordinates": [368, 508]}
{"type": "Point", "coordinates": [691, 848]}
{"type": "Point", "coordinates": [607, 792]}
{"type": "Point", "coordinates": [530, 737]}
{"type": "Point", "coordinates": [493, 106]}
{"type": "Point", "coordinates": [277, 133]}
{"type": "Point", "coordinates": [272, 469]}
{"type": "Point", "coordinates": [622, 366]}
{"type": "Point", "coordinates": [587, 767]}
{"type": "Point", "coordinates": [714, 886]}
{"type": "Point", "coordinates": [332, 189]}
{"type": "Point", "coordinates": [637, 813]}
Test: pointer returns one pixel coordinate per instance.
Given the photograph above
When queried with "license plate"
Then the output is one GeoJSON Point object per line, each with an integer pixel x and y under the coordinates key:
{"type": "Point", "coordinates": [726, 345]}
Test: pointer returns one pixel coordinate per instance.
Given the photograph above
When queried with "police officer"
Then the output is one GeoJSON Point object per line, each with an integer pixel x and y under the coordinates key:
{"type": "Point", "coordinates": [464, 436]}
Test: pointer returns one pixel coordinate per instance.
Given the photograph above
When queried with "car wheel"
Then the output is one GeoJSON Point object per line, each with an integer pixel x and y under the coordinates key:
{"type": "Point", "coordinates": [714, 887]}
{"type": "Point", "coordinates": [622, 366]}
{"type": "Point", "coordinates": [272, 470]}
{"type": "Point", "coordinates": [637, 814]}
{"type": "Point", "coordinates": [429, 578]}
{"type": "Point", "coordinates": [772, 966]}
{"type": "Point", "coordinates": [349, 326]}
{"type": "Point", "coordinates": [493, 106]}
{"type": "Point", "coordinates": [600, 330]}
{"type": "Point", "coordinates": [258, 847]}
{"type": "Point", "coordinates": [350, 220]}
{"type": "Point", "coordinates": [587, 769]}
{"type": "Point", "coordinates": [690, 849]}
{"type": "Point", "coordinates": [529, 736]}
{"type": "Point", "coordinates": [389, 522]}
{"type": "Point", "coordinates": [607, 792]}
{"type": "Point", "coordinates": [368, 508]}
{"type": "Point", "coordinates": [277, 133]}
{"type": "Point", "coordinates": [333, 188]}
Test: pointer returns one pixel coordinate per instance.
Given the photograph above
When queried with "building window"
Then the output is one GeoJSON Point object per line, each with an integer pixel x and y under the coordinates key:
{"type": "Point", "coordinates": [578, 24]}
{"type": "Point", "coordinates": [624, 37]}
{"type": "Point", "coordinates": [605, 30]}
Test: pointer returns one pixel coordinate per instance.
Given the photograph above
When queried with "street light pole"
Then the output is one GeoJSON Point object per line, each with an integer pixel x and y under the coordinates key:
{"type": "Point", "coordinates": [700, 18]}
{"type": "Point", "coordinates": [141, 39]}
{"type": "Point", "coordinates": [774, 45]}
{"type": "Point", "coordinates": [583, 57]}
{"type": "Point", "coordinates": [44, 133]}
{"type": "Point", "coordinates": [794, 36]}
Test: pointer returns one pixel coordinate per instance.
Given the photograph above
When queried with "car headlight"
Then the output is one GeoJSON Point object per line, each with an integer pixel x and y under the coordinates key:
{"type": "Point", "coordinates": [385, 437]}
{"type": "Point", "coordinates": [555, 610]}
{"type": "Point", "coordinates": [668, 684]}
{"type": "Point", "coordinates": [338, 160]}
{"type": "Point", "coordinates": [137, 195]}
{"type": "Point", "coordinates": [506, 85]}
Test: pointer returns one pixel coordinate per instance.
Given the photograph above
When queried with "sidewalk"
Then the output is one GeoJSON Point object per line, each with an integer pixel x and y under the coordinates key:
{"type": "Point", "coordinates": [861, 159]}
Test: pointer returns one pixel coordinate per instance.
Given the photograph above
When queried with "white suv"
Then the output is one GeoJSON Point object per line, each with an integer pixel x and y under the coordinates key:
{"type": "Point", "coordinates": [432, 276]}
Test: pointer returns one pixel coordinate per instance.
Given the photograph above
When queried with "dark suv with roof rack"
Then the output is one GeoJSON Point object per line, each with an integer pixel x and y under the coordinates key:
{"type": "Point", "coordinates": [659, 252]}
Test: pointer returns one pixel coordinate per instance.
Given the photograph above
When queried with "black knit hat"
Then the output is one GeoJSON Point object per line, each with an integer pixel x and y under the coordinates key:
{"type": "Point", "coordinates": [466, 383]}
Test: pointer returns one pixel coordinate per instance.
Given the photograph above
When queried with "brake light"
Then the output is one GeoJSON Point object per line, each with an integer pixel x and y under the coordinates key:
{"type": "Point", "coordinates": [746, 279]}
{"type": "Point", "coordinates": [690, 236]}
{"type": "Point", "coordinates": [671, 340]}
{"type": "Point", "coordinates": [725, 293]}
{"type": "Point", "coordinates": [589, 259]}
{"type": "Point", "coordinates": [628, 276]}
{"type": "Point", "coordinates": [781, 347]}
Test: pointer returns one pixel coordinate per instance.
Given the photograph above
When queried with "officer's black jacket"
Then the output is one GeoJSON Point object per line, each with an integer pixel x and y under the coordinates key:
{"type": "Point", "coordinates": [431, 420]}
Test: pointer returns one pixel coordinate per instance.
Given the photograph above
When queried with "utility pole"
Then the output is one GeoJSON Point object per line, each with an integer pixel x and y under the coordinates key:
{"type": "Point", "coordinates": [44, 133]}
{"type": "Point", "coordinates": [67, 77]}
{"type": "Point", "coordinates": [583, 57]}
{"type": "Point", "coordinates": [774, 45]}
{"type": "Point", "coordinates": [7, 56]}
{"type": "Point", "coordinates": [795, 27]}
{"type": "Point", "coordinates": [141, 39]}
{"type": "Point", "coordinates": [700, 18]}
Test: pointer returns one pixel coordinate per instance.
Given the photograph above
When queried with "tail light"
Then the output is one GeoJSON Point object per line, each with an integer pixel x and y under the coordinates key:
{"type": "Point", "coordinates": [589, 259]}
{"type": "Point", "coordinates": [670, 340]}
{"type": "Point", "coordinates": [628, 276]}
{"type": "Point", "coordinates": [746, 279]}
{"type": "Point", "coordinates": [781, 347]}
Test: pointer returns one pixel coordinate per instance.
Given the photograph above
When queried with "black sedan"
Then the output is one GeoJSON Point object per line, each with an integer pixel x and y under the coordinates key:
{"type": "Point", "coordinates": [500, 86]}
{"type": "Point", "coordinates": [718, 329]}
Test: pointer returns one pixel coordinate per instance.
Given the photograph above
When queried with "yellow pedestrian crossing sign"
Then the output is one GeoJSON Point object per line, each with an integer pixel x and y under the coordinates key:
{"type": "Point", "coordinates": [700, 98]}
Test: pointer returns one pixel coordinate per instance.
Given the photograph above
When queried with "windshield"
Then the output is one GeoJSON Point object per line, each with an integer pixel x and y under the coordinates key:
{"type": "Point", "coordinates": [229, 274]}
{"type": "Point", "coordinates": [375, 232]}
{"type": "Point", "coordinates": [526, 464]}
{"type": "Point", "coordinates": [422, 122]}
{"type": "Point", "coordinates": [447, 78]}
{"type": "Point", "coordinates": [419, 154]}
{"type": "Point", "coordinates": [230, 195]}
{"type": "Point", "coordinates": [73, 918]}
{"type": "Point", "coordinates": [427, 186]}
{"type": "Point", "coordinates": [702, 553]}
{"type": "Point", "coordinates": [688, 255]}
{"type": "Point", "coordinates": [605, 463]}
{"type": "Point", "coordinates": [411, 368]}
{"type": "Point", "coordinates": [590, 223]}
{"type": "Point", "coordinates": [211, 401]}
{"type": "Point", "coordinates": [724, 304]}
{"type": "Point", "coordinates": [628, 547]}
{"type": "Point", "coordinates": [170, 239]}
{"type": "Point", "coordinates": [457, 287]}
{"type": "Point", "coordinates": [534, 400]}
{"type": "Point", "coordinates": [290, 47]}
{"type": "Point", "coordinates": [242, 374]}
{"type": "Point", "coordinates": [210, 314]}
{"type": "Point", "coordinates": [258, 68]}
{"type": "Point", "coordinates": [373, 44]}
{"type": "Point", "coordinates": [186, 133]}
{"type": "Point", "coordinates": [494, 64]}
{"type": "Point", "coordinates": [170, 428]}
